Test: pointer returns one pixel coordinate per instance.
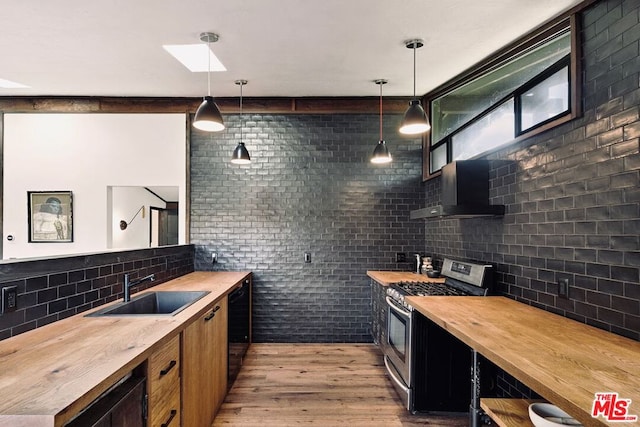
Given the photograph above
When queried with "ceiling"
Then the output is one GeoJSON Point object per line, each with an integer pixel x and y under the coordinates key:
{"type": "Point", "coordinates": [287, 48]}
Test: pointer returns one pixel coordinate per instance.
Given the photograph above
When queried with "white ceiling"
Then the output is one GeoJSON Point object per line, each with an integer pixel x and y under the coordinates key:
{"type": "Point", "coordinates": [282, 47]}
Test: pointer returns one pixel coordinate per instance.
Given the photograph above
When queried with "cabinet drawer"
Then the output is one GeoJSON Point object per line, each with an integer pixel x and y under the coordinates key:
{"type": "Point", "coordinates": [163, 387]}
{"type": "Point", "coordinates": [164, 364]}
{"type": "Point", "coordinates": [167, 409]}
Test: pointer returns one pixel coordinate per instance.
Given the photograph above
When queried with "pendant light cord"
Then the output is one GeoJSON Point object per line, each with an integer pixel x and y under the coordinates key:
{"type": "Point", "coordinates": [209, 67]}
{"type": "Point", "coordinates": [380, 111]}
{"type": "Point", "coordinates": [241, 84]}
{"type": "Point", "coordinates": [414, 69]}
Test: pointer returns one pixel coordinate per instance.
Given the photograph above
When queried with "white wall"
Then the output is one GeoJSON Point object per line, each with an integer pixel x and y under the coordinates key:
{"type": "Point", "coordinates": [86, 153]}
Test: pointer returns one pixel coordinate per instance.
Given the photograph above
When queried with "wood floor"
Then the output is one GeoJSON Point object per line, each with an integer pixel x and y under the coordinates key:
{"type": "Point", "coordinates": [320, 385]}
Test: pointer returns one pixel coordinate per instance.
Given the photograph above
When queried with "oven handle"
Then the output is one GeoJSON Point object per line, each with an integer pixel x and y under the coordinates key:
{"type": "Point", "coordinates": [394, 377]}
{"type": "Point", "coordinates": [391, 305]}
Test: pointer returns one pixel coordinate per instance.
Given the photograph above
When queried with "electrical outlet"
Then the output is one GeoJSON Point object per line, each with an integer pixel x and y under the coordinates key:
{"type": "Point", "coordinates": [563, 288]}
{"type": "Point", "coordinates": [307, 257]}
{"type": "Point", "coordinates": [9, 299]}
{"type": "Point", "coordinates": [401, 257]}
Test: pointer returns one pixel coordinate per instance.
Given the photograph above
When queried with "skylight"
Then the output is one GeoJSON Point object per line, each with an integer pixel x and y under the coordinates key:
{"type": "Point", "coordinates": [194, 57]}
{"type": "Point", "coordinates": [8, 84]}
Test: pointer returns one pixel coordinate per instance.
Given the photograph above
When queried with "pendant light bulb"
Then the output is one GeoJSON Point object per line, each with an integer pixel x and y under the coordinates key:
{"type": "Point", "coordinates": [415, 119]}
{"type": "Point", "coordinates": [381, 153]}
{"type": "Point", "coordinates": [240, 155]}
{"type": "Point", "coordinates": [208, 117]}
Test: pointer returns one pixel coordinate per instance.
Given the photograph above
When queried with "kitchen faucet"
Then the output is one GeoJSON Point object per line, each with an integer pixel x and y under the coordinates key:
{"type": "Point", "coordinates": [129, 284]}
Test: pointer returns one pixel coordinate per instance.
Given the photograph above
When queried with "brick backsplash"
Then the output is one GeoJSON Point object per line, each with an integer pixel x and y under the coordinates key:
{"type": "Point", "coordinates": [53, 289]}
{"type": "Point", "coordinates": [571, 194]}
{"type": "Point", "coordinates": [310, 188]}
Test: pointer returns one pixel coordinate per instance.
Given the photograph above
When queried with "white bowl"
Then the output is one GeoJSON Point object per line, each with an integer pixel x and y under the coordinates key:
{"type": "Point", "coordinates": [548, 415]}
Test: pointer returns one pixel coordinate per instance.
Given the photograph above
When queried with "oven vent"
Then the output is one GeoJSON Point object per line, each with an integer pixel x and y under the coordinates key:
{"type": "Point", "coordinates": [465, 192]}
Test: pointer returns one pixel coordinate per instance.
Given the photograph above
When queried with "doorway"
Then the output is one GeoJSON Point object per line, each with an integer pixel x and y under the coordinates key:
{"type": "Point", "coordinates": [163, 226]}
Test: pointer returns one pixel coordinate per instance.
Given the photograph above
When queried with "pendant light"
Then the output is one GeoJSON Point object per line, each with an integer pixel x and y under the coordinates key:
{"type": "Point", "coordinates": [381, 153]}
{"type": "Point", "coordinates": [208, 117]}
{"type": "Point", "coordinates": [240, 155]}
{"type": "Point", "coordinates": [415, 120]}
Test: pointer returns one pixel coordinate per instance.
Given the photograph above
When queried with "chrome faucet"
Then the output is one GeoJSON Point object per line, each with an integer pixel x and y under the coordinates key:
{"type": "Point", "coordinates": [129, 284]}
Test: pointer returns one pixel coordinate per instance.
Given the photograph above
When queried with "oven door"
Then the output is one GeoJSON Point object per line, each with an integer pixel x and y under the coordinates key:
{"type": "Point", "coordinates": [397, 349]}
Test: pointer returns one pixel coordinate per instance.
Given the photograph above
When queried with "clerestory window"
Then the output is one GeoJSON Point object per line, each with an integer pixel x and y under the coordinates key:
{"type": "Point", "coordinates": [529, 88]}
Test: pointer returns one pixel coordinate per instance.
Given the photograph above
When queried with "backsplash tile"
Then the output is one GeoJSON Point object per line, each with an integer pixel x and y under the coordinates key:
{"type": "Point", "coordinates": [63, 287]}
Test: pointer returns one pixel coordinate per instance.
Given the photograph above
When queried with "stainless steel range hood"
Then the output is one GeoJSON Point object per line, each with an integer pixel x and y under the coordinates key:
{"type": "Point", "coordinates": [465, 192]}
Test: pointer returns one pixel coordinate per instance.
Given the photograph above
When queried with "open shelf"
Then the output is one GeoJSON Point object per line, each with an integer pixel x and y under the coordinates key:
{"type": "Point", "coordinates": [508, 412]}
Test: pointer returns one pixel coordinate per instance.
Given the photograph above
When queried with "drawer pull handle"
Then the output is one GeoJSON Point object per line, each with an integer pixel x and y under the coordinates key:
{"type": "Point", "coordinates": [166, 370]}
{"type": "Point", "coordinates": [212, 314]}
{"type": "Point", "coordinates": [171, 417]}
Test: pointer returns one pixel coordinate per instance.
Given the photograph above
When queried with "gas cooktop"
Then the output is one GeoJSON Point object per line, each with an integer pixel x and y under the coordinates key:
{"type": "Point", "coordinates": [420, 288]}
{"type": "Point", "coordinates": [461, 278]}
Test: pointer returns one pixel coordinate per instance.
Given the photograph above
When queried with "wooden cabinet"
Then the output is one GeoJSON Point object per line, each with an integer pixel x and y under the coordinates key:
{"type": "Point", "coordinates": [204, 366]}
{"type": "Point", "coordinates": [163, 385]}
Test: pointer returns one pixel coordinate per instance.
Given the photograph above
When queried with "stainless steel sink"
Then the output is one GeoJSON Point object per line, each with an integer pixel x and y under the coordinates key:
{"type": "Point", "coordinates": [168, 303]}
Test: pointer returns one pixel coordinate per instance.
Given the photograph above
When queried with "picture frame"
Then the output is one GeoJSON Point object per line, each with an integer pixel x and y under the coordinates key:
{"type": "Point", "coordinates": [50, 216]}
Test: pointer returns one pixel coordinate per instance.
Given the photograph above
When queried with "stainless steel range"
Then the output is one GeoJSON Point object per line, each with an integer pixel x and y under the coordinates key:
{"type": "Point", "coordinates": [428, 366]}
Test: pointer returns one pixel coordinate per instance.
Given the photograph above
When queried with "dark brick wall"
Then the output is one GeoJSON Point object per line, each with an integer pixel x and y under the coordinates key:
{"type": "Point", "coordinates": [310, 188]}
{"type": "Point", "coordinates": [53, 289]}
{"type": "Point", "coordinates": [571, 194]}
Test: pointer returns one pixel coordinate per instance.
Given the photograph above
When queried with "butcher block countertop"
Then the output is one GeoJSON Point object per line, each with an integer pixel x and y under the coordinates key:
{"type": "Point", "coordinates": [388, 277]}
{"type": "Point", "coordinates": [51, 373]}
{"type": "Point", "coordinates": [563, 360]}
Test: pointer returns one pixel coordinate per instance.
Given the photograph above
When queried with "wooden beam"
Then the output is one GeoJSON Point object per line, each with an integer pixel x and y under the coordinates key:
{"type": "Point", "coordinates": [279, 105]}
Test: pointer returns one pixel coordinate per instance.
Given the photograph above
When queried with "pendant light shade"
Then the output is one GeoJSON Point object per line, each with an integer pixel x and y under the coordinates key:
{"type": "Point", "coordinates": [381, 153]}
{"type": "Point", "coordinates": [208, 117]}
{"type": "Point", "coordinates": [240, 155]}
{"type": "Point", "coordinates": [415, 119]}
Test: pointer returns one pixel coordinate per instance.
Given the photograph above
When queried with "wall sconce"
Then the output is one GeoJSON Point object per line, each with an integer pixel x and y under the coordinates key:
{"type": "Point", "coordinates": [124, 224]}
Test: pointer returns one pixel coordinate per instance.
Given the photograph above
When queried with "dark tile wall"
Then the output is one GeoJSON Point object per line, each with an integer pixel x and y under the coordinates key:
{"type": "Point", "coordinates": [53, 289]}
{"type": "Point", "coordinates": [310, 189]}
{"type": "Point", "coordinates": [571, 194]}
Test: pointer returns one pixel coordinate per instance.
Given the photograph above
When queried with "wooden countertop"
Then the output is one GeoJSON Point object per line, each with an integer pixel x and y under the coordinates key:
{"type": "Point", "coordinates": [563, 360]}
{"type": "Point", "coordinates": [388, 277]}
{"type": "Point", "coordinates": [49, 374]}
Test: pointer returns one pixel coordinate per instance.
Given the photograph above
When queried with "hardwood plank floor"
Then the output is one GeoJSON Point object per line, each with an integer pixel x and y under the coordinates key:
{"type": "Point", "coordinates": [318, 384]}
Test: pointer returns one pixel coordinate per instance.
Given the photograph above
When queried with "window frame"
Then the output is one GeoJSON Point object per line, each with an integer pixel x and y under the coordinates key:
{"type": "Point", "coordinates": [544, 32]}
{"type": "Point", "coordinates": [517, 94]}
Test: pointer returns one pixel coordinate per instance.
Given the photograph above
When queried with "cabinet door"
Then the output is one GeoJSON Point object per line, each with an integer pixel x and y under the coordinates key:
{"type": "Point", "coordinates": [204, 366]}
{"type": "Point", "coordinates": [220, 351]}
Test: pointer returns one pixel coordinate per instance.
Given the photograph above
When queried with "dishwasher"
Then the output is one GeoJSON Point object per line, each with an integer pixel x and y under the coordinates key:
{"type": "Point", "coordinates": [239, 325]}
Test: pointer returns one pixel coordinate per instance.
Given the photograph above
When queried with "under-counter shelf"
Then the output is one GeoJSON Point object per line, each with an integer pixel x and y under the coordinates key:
{"type": "Point", "coordinates": [508, 412]}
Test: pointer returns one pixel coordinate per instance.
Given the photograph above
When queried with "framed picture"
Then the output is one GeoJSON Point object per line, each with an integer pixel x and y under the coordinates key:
{"type": "Point", "coordinates": [50, 216]}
